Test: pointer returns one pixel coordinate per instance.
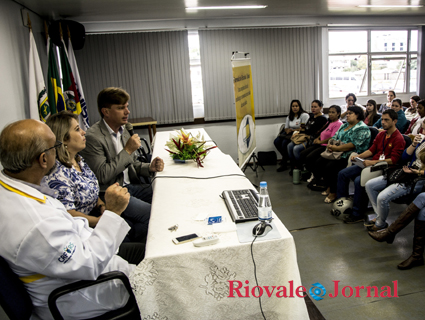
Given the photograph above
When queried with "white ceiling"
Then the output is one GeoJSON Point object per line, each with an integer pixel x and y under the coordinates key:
{"type": "Point", "coordinates": [98, 15]}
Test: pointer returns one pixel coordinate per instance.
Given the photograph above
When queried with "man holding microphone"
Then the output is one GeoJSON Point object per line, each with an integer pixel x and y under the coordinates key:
{"type": "Point", "coordinates": [111, 151]}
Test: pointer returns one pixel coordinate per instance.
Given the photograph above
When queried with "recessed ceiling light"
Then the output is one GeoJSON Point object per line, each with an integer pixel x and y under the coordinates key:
{"type": "Point", "coordinates": [225, 7]}
{"type": "Point", "coordinates": [389, 6]}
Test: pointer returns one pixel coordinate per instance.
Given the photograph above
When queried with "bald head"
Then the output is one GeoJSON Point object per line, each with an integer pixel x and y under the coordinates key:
{"type": "Point", "coordinates": [21, 142]}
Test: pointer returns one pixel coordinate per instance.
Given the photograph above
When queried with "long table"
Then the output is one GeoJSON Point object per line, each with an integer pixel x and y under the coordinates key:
{"type": "Point", "coordinates": [187, 282]}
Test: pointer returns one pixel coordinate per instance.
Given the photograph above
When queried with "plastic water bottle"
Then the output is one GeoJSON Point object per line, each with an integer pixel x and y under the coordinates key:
{"type": "Point", "coordinates": [264, 205]}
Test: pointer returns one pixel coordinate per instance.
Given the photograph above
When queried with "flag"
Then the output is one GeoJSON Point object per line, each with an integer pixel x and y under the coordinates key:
{"type": "Point", "coordinates": [84, 116]}
{"type": "Point", "coordinates": [39, 105]}
{"type": "Point", "coordinates": [54, 89]}
{"type": "Point", "coordinates": [72, 100]}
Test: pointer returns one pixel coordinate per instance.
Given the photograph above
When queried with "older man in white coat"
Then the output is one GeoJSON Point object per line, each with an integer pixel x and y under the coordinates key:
{"type": "Point", "coordinates": [42, 243]}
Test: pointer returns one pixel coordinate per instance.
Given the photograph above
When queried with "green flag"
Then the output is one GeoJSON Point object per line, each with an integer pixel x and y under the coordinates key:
{"type": "Point", "coordinates": [54, 90]}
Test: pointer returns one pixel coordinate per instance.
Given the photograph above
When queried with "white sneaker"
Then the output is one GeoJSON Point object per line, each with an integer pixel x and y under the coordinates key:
{"type": "Point", "coordinates": [311, 178]}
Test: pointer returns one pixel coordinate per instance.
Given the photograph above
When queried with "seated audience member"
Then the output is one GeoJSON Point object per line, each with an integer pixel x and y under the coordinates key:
{"type": "Point", "coordinates": [76, 184]}
{"type": "Point", "coordinates": [387, 146]}
{"type": "Point", "coordinates": [412, 111]}
{"type": "Point", "coordinates": [350, 100]}
{"type": "Point", "coordinates": [312, 128]}
{"type": "Point", "coordinates": [42, 243]}
{"type": "Point", "coordinates": [355, 136]}
{"type": "Point", "coordinates": [390, 97]}
{"type": "Point", "coordinates": [310, 155]}
{"type": "Point", "coordinates": [397, 106]}
{"type": "Point", "coordinates": [415, 126]}
{"type": "Point", "coordinates": [297, 116]}
{"type": "Point", "coordinates": [371, 115]}
{"type": "Point", "coordinates": [110, 150]}
{"type": "Point", "coordinates": [415, 211]}
{"type": "Point", "coordinates": [381, 194]}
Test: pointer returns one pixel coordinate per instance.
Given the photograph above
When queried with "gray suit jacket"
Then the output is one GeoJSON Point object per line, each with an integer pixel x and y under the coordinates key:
{"type": "Point", "coordinates": [107, 165]}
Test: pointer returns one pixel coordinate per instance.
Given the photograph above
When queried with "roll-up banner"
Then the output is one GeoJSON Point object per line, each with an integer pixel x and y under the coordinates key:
{"type": "Point", "coordinates": [244, 104]}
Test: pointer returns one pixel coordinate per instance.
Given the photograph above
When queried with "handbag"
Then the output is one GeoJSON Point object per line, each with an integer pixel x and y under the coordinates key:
{"type": "Point", "coordinates": [300, 138]}
{"type": "Point", "coordinates": [333, 155]}
{"type": "Point", "coordinates": [397, 175]}
{"type": "Point", "coordinates": [267, 158]}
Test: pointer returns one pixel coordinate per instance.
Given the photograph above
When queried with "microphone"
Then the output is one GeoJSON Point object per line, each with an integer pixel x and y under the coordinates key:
{"type": "Point", "coordinates": [140, 151]}
{"type": "Point", "coordinates": [129, 128]}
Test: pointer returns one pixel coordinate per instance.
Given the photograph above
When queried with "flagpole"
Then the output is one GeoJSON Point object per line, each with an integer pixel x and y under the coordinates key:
{"type": "Point", "coordinates": [29, 21]}
{"type": "Point", "coordinates": [46, 32]}
{"type": "Point", "coordinates": [60, 31]}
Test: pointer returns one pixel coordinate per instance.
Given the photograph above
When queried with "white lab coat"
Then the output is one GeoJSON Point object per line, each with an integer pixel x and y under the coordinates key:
{"type": "Point", "coordinates": [38, 236]}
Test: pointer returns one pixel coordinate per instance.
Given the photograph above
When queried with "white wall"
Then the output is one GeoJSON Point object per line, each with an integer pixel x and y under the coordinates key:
{"type": "Point", "coordinates": [14, 40]}
{"type": "Point", "coordinates": [14, 56]}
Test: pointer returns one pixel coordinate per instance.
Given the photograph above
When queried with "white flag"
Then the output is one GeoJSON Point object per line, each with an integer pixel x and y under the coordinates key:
{"type": "Point", "coordinates": [39, 107]}
{"type": "Point", "coordinates": [84, 116]}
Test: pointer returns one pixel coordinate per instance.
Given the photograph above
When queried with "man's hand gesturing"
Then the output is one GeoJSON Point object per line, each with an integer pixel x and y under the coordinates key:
{"type": "Point", "coordinates": [116, 198]}
{"type": "Point", "coordinates": [157, 165]}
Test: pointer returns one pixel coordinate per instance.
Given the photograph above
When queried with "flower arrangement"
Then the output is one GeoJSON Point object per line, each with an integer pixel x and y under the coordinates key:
{"type": "Point", "coordinates": [184, 146]}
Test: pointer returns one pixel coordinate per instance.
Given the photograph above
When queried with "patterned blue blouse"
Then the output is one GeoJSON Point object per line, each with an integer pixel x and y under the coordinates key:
{"type": "Point", "coordinates": [77, 190]}
{"type": "Point", "coordinates": [359, 135]}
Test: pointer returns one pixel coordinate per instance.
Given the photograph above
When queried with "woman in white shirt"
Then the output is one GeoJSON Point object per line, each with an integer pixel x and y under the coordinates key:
{"type": "Point", "coordinates": [297, 116]}
{"type": "Point", "coordinates": [350, 100]}
{"type": "Point", "coordinates": [412, 111]}
{"type": "Point", "coordinates": [390, 97]}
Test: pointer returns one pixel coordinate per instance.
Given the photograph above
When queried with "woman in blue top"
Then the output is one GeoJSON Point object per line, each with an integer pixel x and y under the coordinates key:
{"type": "Point", "coordinates": [297, 116]}
{"type": "Point", "coordinates": [76, 184]}
{"type": "Point", "coordinates": [397, 106]}
{"type": "Point", "coordinates": [355, 136]}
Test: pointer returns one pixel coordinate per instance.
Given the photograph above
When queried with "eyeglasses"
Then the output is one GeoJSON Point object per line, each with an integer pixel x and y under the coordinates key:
{"type": "Point", "coordinates": [57, 145]}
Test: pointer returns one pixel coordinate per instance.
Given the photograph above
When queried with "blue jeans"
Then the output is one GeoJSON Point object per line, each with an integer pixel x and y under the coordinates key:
{"type": "Point", "coordinates": [420, 203]}
{"type": "Point", "coordinates": [294, 150]}
{"type": "Point", "coordinates": [281, 145]}
{"type": "Point", "coordinates": [360, 197]}
{"type": "Point", "coordinates": [380, 196]}
{"type": "Point", "coordinates": [137, 213]}
{"type": "Point", "coordinates": [140, 191]}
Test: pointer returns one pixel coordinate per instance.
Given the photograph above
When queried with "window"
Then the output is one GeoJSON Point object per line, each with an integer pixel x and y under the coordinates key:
{"type": "Point", "coordinates": [363, 62]}
{"type": "Point", "coordinates": [196, 75]}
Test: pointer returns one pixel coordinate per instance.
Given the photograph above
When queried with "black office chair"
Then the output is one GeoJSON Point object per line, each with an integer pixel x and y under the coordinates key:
{"type": "Point", "coordinates": [407, 140]}
{"type": "Point", "coordinates": [14, 298]}
{"type": "Point", "coordinates": [146, 156]}
{"type": "Point", "coordinates": [17, 304]}
{"type": "Point", "coordinates": [373, 133]}
{"type": "Point", "coordinates": [406, 126]}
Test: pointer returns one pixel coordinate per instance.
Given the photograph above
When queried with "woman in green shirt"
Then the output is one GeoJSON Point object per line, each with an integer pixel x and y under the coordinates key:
{"type": "Point", "coordinates": [355, 136]}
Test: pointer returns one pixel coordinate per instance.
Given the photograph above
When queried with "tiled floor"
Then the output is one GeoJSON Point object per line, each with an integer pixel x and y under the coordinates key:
{"type": "Point", "coordinates": [329, 250]}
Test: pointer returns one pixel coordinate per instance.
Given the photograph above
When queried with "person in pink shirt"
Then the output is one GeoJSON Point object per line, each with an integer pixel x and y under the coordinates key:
{"type": "Point", "coordinates": [310, 155]}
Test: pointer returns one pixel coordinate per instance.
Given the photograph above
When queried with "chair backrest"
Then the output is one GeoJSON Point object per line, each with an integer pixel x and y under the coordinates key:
{"type": "Point", "coordinates": [373, 133]}
{"type": "Point", "coordinates": [14, 298]}
{"type": "Point", "coordinates": [407, 140]}
{"type": "Point", "coordinates": [129, 312]}
{"type": "Point", "coordinates": [406, 126]}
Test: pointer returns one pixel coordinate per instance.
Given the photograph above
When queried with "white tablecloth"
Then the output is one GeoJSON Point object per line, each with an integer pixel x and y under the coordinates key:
{"type": "Point", "coordinates": [187, 282]}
